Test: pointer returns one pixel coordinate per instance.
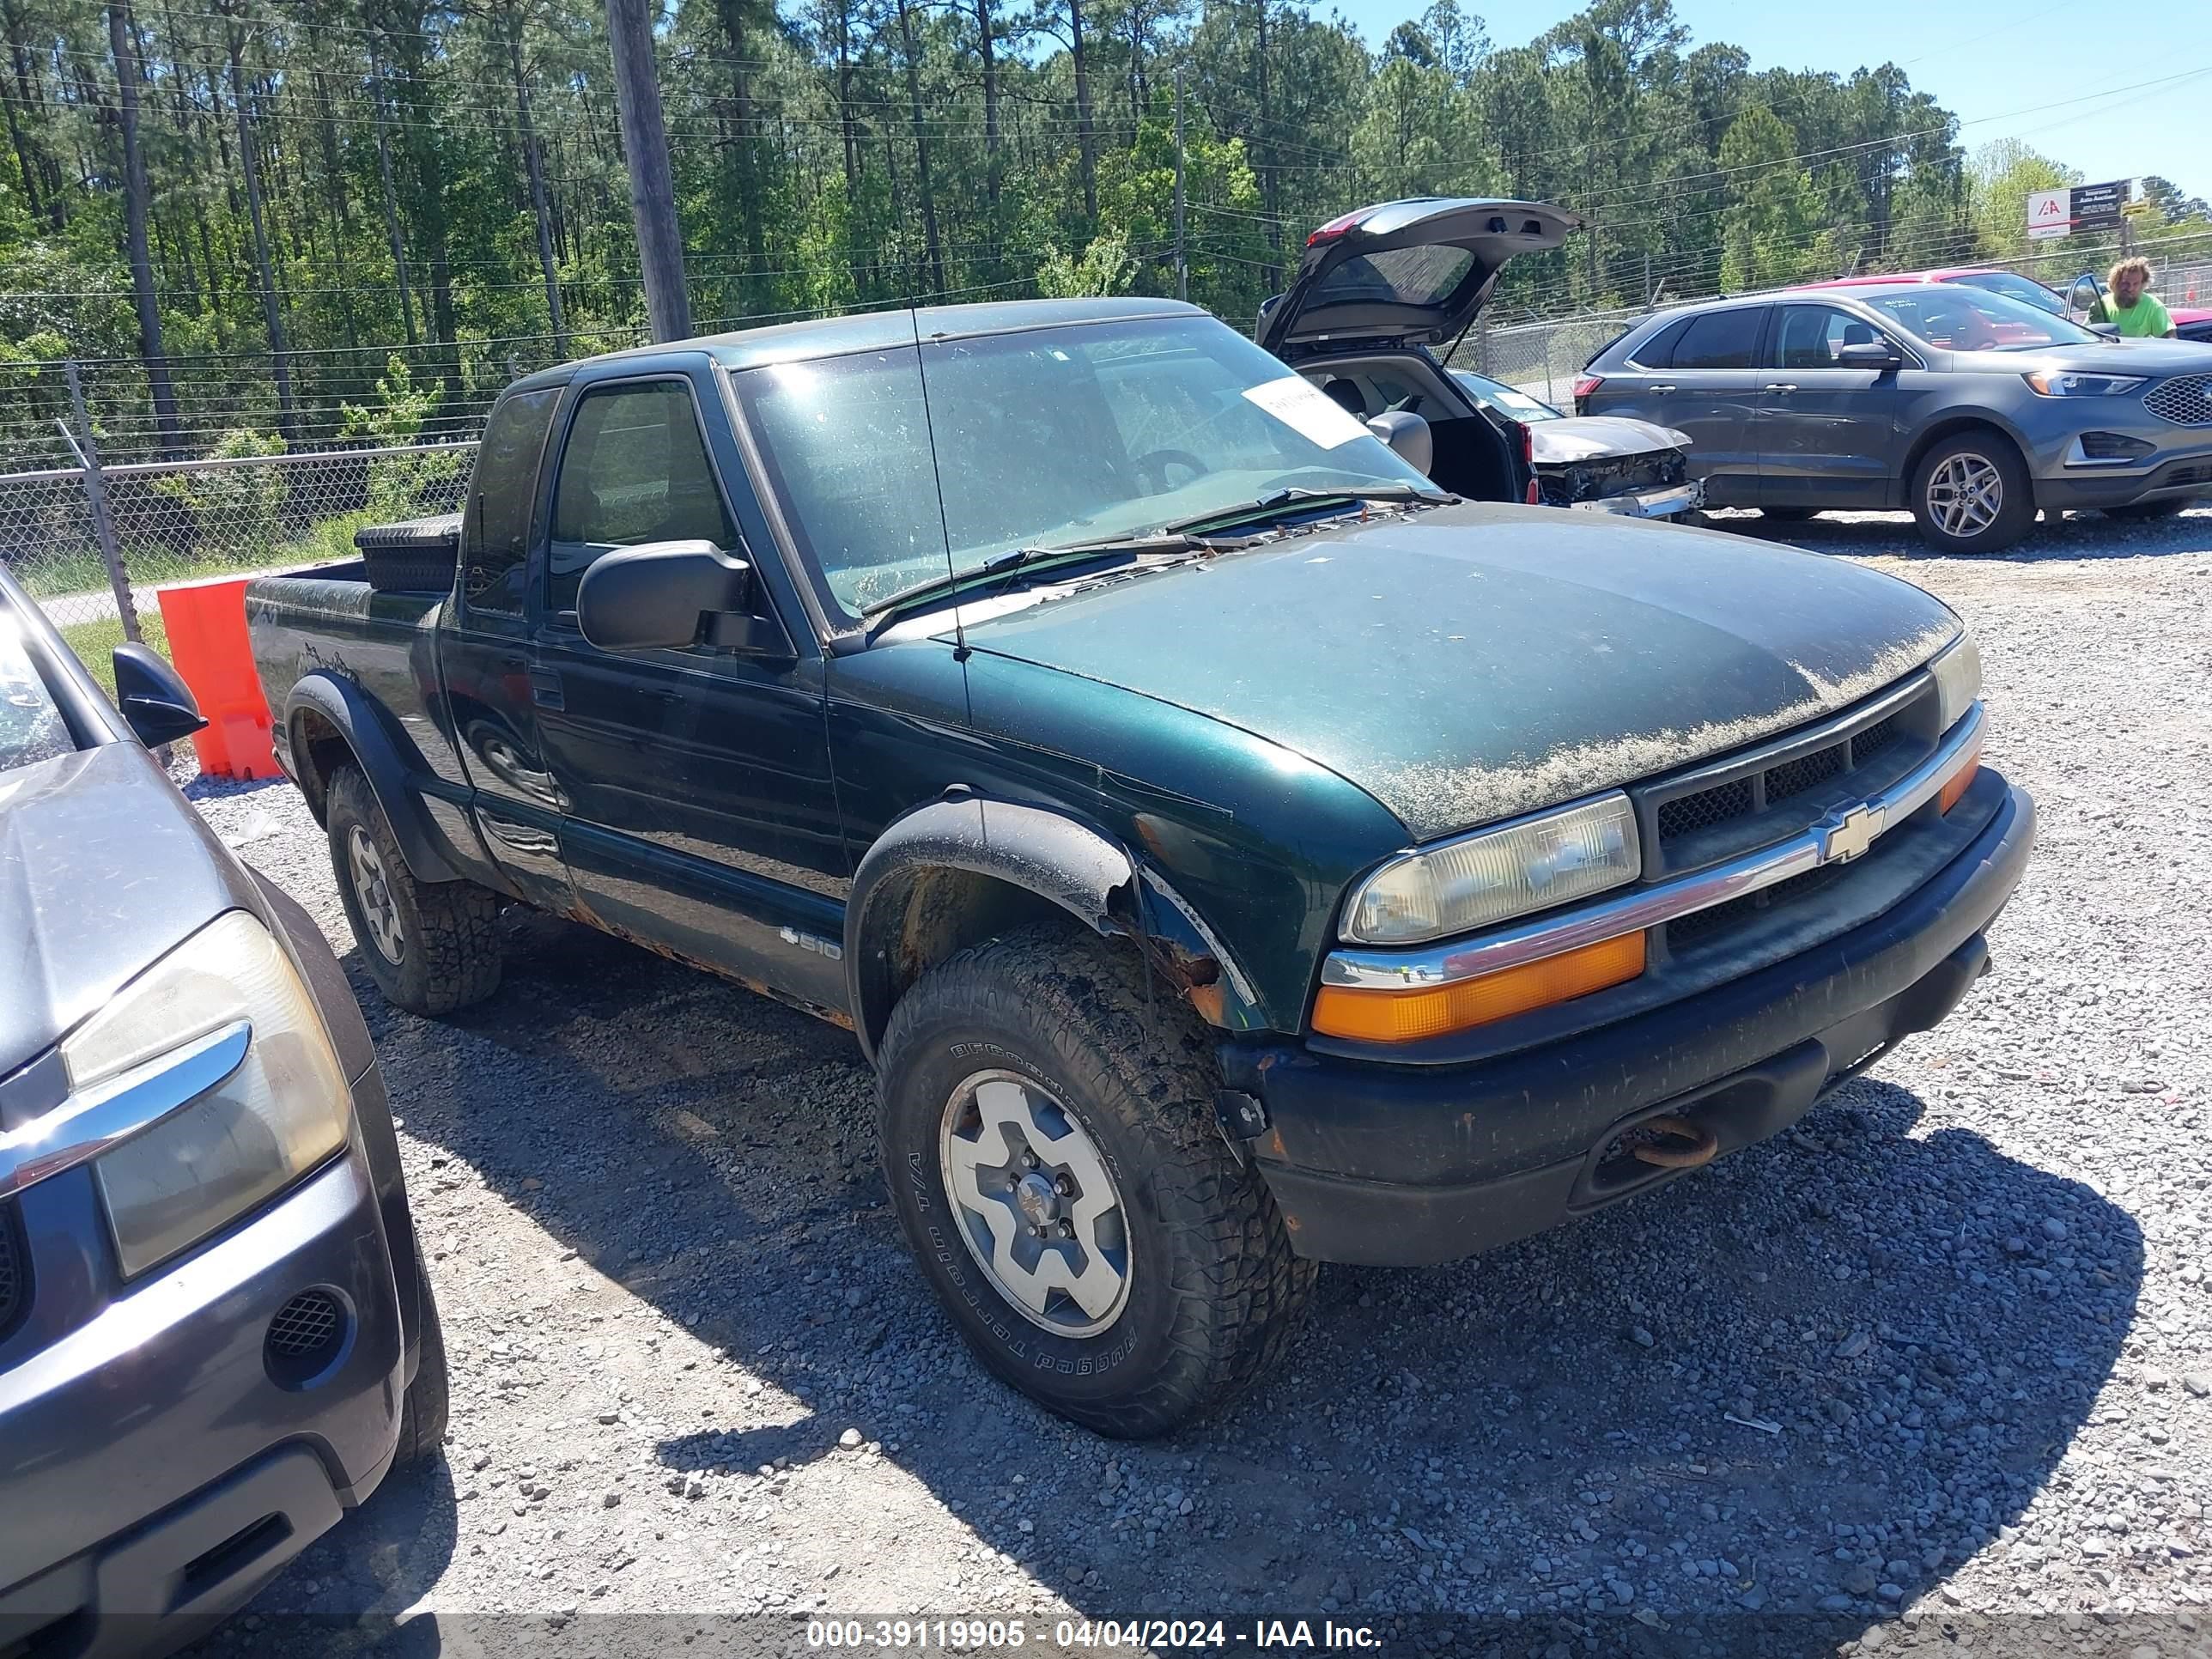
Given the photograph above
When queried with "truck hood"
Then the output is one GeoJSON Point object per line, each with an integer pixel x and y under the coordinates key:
{"type": "Point", "coordinates": [1465, 664]}
{"type": "Point", "coordinates": [102, 870]}
{"type": "Point", "coordinates": [1598, 437]}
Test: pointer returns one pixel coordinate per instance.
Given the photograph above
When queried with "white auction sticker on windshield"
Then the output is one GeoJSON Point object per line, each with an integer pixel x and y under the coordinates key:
{"type": "Point", "coordinates": [1308, 412]}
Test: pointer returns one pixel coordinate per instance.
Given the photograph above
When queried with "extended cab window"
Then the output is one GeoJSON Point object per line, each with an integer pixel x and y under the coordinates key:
{"type": "Point", "coordinates": [496, 528]}
{"type": "Point", "coordinates": [634, 470]}
{"type": "Point", "coordinates": [1721, 340]}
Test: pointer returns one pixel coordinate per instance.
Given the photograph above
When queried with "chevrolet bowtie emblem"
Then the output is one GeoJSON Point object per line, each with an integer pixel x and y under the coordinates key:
{"type": "Point", "coordinates": [1845, 836]}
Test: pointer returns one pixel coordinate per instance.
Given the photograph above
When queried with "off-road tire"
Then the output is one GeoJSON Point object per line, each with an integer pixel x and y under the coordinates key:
{"type": "Point", "coordinates": [451, 953]}
{"type": "Point", "coordinates": [2150, 511]}
{"type": "Point", "coordinates": [1789, 514]}
{"type": "Point", "coordinates": [429, 1399]}
{"type": "Point", "coordinates": [1215, 1296]}
{"type": "Point", "coordinates": [2016, 509]}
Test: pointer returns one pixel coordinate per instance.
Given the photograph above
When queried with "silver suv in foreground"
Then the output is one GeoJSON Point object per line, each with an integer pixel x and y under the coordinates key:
{"type": "Point", "coordinates": [215, 1335]}
{"type": "Point", "coordinates": [1968, 407]}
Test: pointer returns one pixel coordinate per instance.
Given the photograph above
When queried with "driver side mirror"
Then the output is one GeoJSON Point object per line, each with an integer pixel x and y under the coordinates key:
{"type": "Point", "coordinates": [156, 704]}
{"type": "Point", "coordinates": [668, 595]}
{"type": "Point", "coordinates": [1869, 353]}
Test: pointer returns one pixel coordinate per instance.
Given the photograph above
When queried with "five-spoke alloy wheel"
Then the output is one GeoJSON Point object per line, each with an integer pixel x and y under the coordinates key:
{"type": "Point", "coordinates": [1048, 1132]}
{"type": "Point", "coordinates": [372, 892]}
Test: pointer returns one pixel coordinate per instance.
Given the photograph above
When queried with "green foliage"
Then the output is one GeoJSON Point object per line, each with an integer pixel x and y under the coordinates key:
{"type": "Point", "coordinates": [1105, 267]}
{"type": "Point", "coordinates": [1769, 234]}
{"type": "Point", "coordinates": [828, 154]}
{"type": "Point", "coordinates": [236, 508]}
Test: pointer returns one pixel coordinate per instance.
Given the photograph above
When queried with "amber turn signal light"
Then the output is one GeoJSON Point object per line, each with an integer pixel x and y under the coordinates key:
{"type": "Point", "coordinates": [1960, 782]}
{"type": "Point", "coordinates": [1408, 1016]}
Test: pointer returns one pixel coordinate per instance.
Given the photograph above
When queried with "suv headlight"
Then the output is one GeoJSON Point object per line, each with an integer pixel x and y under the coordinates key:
{"type": "Point", "coordinates": [1958, 672]}
{"type": "Point", "coordinates": [2062, 383]}
{"type": "Point", "coordinates": [284, 1110]}
{"type": "Point", "coordinates": [1550, 859]}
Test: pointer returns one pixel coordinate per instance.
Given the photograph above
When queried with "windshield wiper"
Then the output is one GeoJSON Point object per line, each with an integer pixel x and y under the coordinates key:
{"type": "Point", "coordinates": [1297, 496]}
{"type": "Point", "coordinates": [1030, 559]}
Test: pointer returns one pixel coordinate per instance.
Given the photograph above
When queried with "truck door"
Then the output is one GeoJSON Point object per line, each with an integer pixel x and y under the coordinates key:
{"type": "Point", "coordinates": [699, 816]}
{"type": "Point", "coordinates": [484, 656]}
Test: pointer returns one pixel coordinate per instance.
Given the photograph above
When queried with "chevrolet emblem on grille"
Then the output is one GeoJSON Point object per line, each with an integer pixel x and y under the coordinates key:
{"type": "Point", "coordinates": [1845, 836]}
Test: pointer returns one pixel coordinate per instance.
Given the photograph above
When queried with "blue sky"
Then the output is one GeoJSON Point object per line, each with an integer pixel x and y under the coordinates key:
{"type": "Point", "coordinates": [2008, 68]}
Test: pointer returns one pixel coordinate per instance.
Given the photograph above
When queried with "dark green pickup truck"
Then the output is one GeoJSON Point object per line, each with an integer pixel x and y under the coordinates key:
{"type": "Point", "coordinates": [1233, 851]}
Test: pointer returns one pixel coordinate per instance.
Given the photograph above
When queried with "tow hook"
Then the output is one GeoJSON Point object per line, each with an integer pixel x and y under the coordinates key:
{"type": "Point", "coordinates": [1672, 1143]}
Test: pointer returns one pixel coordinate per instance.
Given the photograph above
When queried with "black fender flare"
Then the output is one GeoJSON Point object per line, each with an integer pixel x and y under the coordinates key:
{"type": "Point", "coordinates": [1038, 851]}
{"type": "Point", "coordinates": [1050, 856]}
{"type": "Point", "coordinates": [342, 703]}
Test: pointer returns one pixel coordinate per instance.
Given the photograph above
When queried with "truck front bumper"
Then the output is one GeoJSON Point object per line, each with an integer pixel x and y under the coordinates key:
{"type": "Point", "coordinates": [1742, 1060]}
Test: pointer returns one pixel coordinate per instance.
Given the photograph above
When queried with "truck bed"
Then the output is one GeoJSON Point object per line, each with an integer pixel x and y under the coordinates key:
{"type": "Point", "coordinates": [329, 618]}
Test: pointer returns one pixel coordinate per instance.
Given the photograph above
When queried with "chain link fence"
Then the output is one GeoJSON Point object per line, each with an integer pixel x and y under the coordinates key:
{"type": "Point", "coordinates": [1544, 357]}
{"type": "Point", "coordinates": [171, 521]}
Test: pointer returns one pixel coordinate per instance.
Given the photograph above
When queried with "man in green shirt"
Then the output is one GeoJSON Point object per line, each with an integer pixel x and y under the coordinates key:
{"type": "Point", "coordinates": [2130, 307]}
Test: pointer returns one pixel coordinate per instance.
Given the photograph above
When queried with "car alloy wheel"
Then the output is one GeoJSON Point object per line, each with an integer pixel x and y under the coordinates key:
{"type": "Point", "coordinates": [1966, 494]}
{"type": "Point", "coordinates": [1035, 1204]}
{"type": "Point", "coordinates": [372, 889]}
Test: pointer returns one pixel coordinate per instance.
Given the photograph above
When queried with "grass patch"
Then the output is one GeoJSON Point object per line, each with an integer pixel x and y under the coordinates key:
{"type": "Point", "coordinates": [95, 642]}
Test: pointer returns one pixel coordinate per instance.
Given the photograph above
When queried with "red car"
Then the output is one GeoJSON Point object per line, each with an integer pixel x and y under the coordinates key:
{"type": "Point", "coordinates": [2190, 322]}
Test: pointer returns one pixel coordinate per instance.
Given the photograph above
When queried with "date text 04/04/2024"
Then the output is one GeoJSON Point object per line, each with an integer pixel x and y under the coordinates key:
{"type": "Point", "coordinates": [1009, 1635]}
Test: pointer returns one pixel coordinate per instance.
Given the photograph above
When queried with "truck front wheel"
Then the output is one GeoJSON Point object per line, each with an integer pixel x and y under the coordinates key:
{"type": "Point", "coordinates": [431, 946]}
{"type": "Point", "coordinates": [1048, 1132]}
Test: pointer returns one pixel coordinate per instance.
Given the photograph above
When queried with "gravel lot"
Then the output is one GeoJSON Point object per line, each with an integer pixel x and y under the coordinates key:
{"type": "Point", "coordinates": [1938, 1359]}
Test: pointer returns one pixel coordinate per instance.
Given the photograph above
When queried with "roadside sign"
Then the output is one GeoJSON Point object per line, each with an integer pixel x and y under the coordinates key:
{"type": "Point", "coordinates": [2099, 207]}
{"type": "Point", "coordinates": [2050, 212]}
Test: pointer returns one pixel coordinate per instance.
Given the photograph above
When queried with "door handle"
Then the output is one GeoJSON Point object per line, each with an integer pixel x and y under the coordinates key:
{"type": "Point", "coordinates": [545, 688]}
{"type": "Point", "coordinates": [1782, 385]}
{"type": "Point", "coordinates": [1661, 391]}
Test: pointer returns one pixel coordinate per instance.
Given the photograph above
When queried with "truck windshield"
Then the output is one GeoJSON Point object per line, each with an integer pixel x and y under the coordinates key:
{"type": "Point", "coordinates": [31, 728]}
{"type": "Point", "coordinates": [894, 466]}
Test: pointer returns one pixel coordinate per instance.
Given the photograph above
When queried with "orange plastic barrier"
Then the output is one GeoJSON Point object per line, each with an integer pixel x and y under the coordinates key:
{"type": "Point", "coordinates": [206, 621]}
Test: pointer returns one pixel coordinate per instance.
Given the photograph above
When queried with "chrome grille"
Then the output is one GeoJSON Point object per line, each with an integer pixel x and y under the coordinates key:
{"type": "Point", "coordinates": [1727, 808]}
{"type": "Point", "coordinates": [2186, 400]}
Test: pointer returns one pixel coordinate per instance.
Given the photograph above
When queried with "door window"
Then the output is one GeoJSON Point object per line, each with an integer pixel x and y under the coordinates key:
{"type": "Point", "coordinates": [496, 528]}
{"type": "Point", "coordinates": [635, 470]}
{"type": "Point", "coordinates": [1812, 336]}
{"type": "Point", "coordinates": [1721, 340]}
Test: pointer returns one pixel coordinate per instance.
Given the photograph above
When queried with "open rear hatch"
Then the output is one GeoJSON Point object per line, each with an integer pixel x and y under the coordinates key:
{"type": "Point", "coordinates": [1404, 272]}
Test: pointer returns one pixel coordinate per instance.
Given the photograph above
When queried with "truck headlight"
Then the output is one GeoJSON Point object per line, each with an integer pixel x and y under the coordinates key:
{"type": "Point", "coordinates": [284, 1110]}
{"type": "Point", "coordinates": [1550, 859]}
{"type": "Point", "coordinates": [1958, 672]}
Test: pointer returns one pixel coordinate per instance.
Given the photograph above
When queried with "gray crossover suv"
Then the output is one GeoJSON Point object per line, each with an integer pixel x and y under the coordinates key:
{"type": "Point", "coordinates": [1969, 407]}
{"type": "Point", "coordinates": [215, 1335]}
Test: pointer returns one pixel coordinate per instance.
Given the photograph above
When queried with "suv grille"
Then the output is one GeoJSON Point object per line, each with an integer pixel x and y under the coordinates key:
{"type": "Point", "coordinates": [14, 1270]}
{"type": "Point", "coordinates": [2186, 400]}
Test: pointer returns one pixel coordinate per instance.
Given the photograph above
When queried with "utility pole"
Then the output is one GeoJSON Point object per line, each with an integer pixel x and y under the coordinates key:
{"type": "Point", "coordinates": [651, 190]}
{"type": "Point", "coordinates": [1182, 265]}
